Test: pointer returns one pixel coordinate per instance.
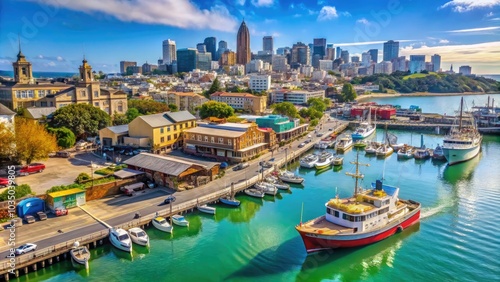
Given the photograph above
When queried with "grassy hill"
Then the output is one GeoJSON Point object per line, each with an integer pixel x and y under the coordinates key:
{"type": "Point", "coordinates": [418, 75]}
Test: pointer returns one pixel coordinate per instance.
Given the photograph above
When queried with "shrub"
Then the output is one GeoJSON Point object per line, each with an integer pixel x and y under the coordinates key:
{"type": "Point", "coordinates": [64, 187]}
{"type": "Point", "coordinates": [21, 191]}
{"type": "Point", "coordinates": [82, 177]}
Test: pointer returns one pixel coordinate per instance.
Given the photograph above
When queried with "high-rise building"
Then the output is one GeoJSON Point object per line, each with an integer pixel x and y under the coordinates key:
{"type": "Point", "coordinates": [267, 44]}
{"type": "Point", "coordinates": [417, 63]}
{"type": "Point", "coordinates": [148, 68]}
{"type": "Point", "coordinates": [222, 48]}
{"type": "Point", "coordinates": [391, 50]}
{"type": "Point", "coordinates": [210, 44]}
{"type": "Point", "coordinates": [325, 65]}
{"type": "Point", "coordinates": [344, 55]}
{"type": "Point", "coordinates": [338, 52]}
{"type": "Point", "coordinates": [355, 59]}
{"type": "Point", "coordinates": [330, 52]}
{"type": "Point", "coordinates": [186, 59]}
{"type": "Point", "coordinates": [436, 62]}
{"type": "Point", "coordinates": [125, 64]}
{"type": "Point", "coordinates": [315, 60]}
{"type": "Point", "coordinates": [465, 70]}
{"type": "Point", "coordinates": [383, 67]}
{"type": "Point", "coordinates": [374, 55]}
{"type": "Point", "coordinates": [243, 45]}
{"type": "Point", "coordinates": [201, 48]}
{"type": "Point", "coordinates": [300, 54]}
{"type": "Point", "coordinates": [319, 47]}
{"type": "Point", "coordinates": [254, 66]}
{"type": "Point", "coordinates": [283, 51]}
{"type": "Point", "coordinates": [169, 51]}
{"type": "Point", "coordinates": [399, 64]}
{"type": "Point", "coordinates": [279, 63]}
{"type": "Point", "coordinates": [204, 61]}
{"type": "Point", "coordinates": [366, 59]}
{"type": "Point", "coordinates": [228, 58]}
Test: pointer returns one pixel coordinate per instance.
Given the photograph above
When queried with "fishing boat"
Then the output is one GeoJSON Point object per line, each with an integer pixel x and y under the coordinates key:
{"type": "Point", "coordinates": [438, 153]}
{"type": "Point", "coordinates": [229, 199]}
{"type": "Point", "coordinates": [139, 236]}
{"type": "Point", "coordinates": [344, 143]}
{"type": "Point", "coordinates": [364, 129]}
{"type": "Point", "coordinates": [120, 239]}
{"type": "Point", "coordinates": [324, 161]}
{"type": "Point", "coordinates": [367, 217]}
{"type": "Point", "coordinates": [180, 220]}
{"type": "Point", "coordinates": [206, 209]}
{"type": "Point", "coordinates": [162, 224]}
{"type": "Point", "coordinates": [463, 142]}
{"type": "Point", "coordinates": [337, 160]}
{"type": "Point", "coordinates": [80, 254]}
{"type": "Point", "coordinates": [309, 160]}
{"type": "Point", "coordinates": [384, 151]}
{"type": "Point", "coordinates": [406, 152]}
{"type": "Point", "coordinates": [267, 188]}
{"type": "Point", "coordinates": [254, 192]}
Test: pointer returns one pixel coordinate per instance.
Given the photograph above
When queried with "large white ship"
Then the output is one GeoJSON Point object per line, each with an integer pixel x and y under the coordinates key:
{"type": "Point", "coordinates": [464, 141]}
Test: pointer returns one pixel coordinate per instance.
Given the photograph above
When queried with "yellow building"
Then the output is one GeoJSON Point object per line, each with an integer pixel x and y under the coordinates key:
{"type": "Point", "coordinates": [185, 101]}
{"type": "Point", "coordinates": [161, 131]}
{"type": "Point", "coordinates": [242, 101]}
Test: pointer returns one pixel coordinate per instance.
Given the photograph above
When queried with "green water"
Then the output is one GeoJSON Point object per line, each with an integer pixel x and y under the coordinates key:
{"type": "Point", "coordinates": [457, 239]}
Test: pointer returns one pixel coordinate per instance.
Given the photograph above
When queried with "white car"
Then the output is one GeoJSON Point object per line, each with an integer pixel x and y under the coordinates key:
{"type": "Point", "coordinates": [28, 247]}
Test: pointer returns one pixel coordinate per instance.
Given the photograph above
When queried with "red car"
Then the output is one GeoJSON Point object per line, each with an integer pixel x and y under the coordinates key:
{"type": "Point", "coordinates": [60, 212]}
{"type": "Point", "coordinates": [32, 168]}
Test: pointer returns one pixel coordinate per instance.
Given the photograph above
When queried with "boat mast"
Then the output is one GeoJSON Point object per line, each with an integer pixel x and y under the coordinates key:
{"type": "Point", "coordinates": [461, 111]}
{"type": "Point", "coordinates": [356, 175]}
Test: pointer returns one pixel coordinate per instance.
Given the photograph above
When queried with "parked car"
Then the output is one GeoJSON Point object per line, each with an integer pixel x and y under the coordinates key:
{"type": "Point", "coordinates": [241, 166]}
{"type": "Point", "coordinates": [63, 154]}
{"type": "Point", "coordinates": [319, 134]}
{"type": "Point", "coordinates": [169, 199]}
{"type": "Point", "coordinates": [4, 182]}
{"type": "Point", "coordinates": [29, 219]}
{"type": "Point", "coordinates": [41, 215]}
{"type": "Point", "coordinates": [302, 145]}
{"type": "Point", "coordinates": [150, 184]}
{"type": "Point", "coordinates": [60, 212]}
{"type": "Point", "coordinates": [129, 153]}
{"type": "Point", "coordinates": [129, 190]}
{"type": "Point", "coordinates": [25, 248]}
{"type": "Point", "coordinates": [32, 168]}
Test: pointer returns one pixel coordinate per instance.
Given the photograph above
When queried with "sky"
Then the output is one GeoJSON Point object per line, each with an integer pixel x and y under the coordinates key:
{"type": "Point", "coordinates": [56, 34]}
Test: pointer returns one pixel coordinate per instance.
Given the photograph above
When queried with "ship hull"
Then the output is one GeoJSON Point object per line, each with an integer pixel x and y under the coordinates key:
{"type": "Point", "coordinates": [359, 136]}
{"type": "Point", "coordinates": [455, 156]}
{"type": "Point", "coordinates": [316, 242]}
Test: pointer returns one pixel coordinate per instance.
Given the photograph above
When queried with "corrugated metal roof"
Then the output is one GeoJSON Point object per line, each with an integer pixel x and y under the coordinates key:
{"type": "Point", "coordinates": [155, 120]}
{"type": "Point", "coordinates": [38, 113]}
{"type": "Point", "coordinates": [127, 172]}
{"type": "Point", "coordinates": [215, 132]}
{"type": "Point", "coordinates": [119, 128]}
{"type": "Point", "coordinates": [166, 165]}
{"type": "Point", "coordinates": [66, 192]}
{"type": "Point", "coordinates": [167, 118]}
{"type": "Point", "coordinates": [6, 111]}
{"type": "Point", "coordinates": [180, 116]}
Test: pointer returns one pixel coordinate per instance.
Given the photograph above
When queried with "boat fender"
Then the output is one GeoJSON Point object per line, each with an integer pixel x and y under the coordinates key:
{"type": "Point", "coordinates": [400, 229]}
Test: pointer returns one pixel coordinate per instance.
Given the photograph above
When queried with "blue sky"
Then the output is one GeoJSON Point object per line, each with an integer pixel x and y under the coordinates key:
{"type": "Point", "coordinates": [56, 33]}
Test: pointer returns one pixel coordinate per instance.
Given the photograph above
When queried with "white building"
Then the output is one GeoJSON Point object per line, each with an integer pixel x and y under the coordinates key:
{"type": "Point", "coordinates": [254, 66]}
{"type": "Point", "coordinates": [306, 70]}
{"type": "Point", "coordinates": [279, 63]}
{"type": "Point", "coordinates": [237, 70]}
{"type": "Point", "coordinates": [260, 82]}
{"type": "Point", "coordinates": [366, 59]}
{"type": "Point", "coordinates": [399, 64]}
{"type": "Point", "coordinates": [169, 52]}
{"type": "Point", "coordinates": [436, 62]}
{"type": "Point", "coordinates": [214, 65]}
{"type": "Point", "coordinates": [296, 97]}
{"type": "Point", "coordinates": [326, 65]}
{"type": "Point", "coordinates": [318, 75]}
{"type": "Point", "coordinates": [383, 67]}
{"type": "Point", "coordinates": [465, 70]}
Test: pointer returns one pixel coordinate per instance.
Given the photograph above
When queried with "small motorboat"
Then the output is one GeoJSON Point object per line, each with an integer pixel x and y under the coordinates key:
{"type": "Point", "coordinates": [230, 201]}
{"type": "Point", "coordinates": [384, 151]}
{"type": "Point", "coordinates": [371, 149]}
{"type": "Point", "coordinates": [180, 220]}
{"type": "Point", "coordinates": [282, 186]}
{"type": "Point", "coordinates": [267, 188]}
{"type": "Point", "coordinates": [206, 209]}
{"type": "Point", "coordinates": [290, 177]}
{"type": "Point", "coordinates": [337, 160]}
{"type": "Point", "coordinates": [438, 153]}
{"type": "Point", "coordinates": [422, 153]}
{"type": "Point", "coordinates": [80, 254]}
{"type": "Point", "coordinates": [139, 236]}
{"type": "Point", "coordinates": [120, 239]}
{"type": "Point", "coordinates": [162, 224]}
{"type": "Point", "coordinates": [254, 192]}
{"type": "Point", "coordinates": [309, 160]}
{"type": "Point", "coordinates": [406, 152]}
{"type": "Point", "coordinates": [360, 144]}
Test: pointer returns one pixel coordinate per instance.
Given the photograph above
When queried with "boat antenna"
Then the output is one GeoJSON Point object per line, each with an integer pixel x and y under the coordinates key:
{"type": "Point", "coordinates": [356, 175]}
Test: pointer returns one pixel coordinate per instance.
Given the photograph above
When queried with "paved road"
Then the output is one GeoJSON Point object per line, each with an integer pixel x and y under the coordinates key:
{"type": "Point", "coordinates": [120, 209]}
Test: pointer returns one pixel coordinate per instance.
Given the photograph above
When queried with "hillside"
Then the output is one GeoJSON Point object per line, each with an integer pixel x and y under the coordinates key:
{"type": "Point", "coordinates": [432, 82]}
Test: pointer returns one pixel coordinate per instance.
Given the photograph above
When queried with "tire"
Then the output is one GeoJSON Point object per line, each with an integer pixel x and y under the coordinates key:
{"type": "Point", "coordinates": [41, 170]}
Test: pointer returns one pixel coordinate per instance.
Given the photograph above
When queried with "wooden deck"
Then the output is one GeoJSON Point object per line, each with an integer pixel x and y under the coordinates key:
{"type": "Point", "coordinates": [322, 226]}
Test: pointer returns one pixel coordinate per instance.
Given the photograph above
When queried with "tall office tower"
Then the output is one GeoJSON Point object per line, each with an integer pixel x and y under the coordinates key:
{"type": "Point", "coordinates": [125, 64]}
{"type": "Point", "coordinates": [279, 63]}
{"type": "Point", "coordinates": [300, 54]}
{"type": "Point", "coordinates": [222, 48]}
{"type": "Point", "coordinates": [319, 47]}
{"type": "Point", "coordinates": [436, 62]}
{"type": "Point", "coordinates": [391, 50]}
{"type": "Point", "coordinates": [417, 63]}
{"type": "Point", "coordinates": [186, 59]}
{"type": "Point", "coordinates": [201, 48]}
{"type": "Point", "coordinates": [169, 51]}
{"type": "Point", "coordinates": [338, 52]}
{"type": "Point", "coordinates": [355, 59]}
{"type": "Point", "coordinates": [374, 55]}
{"type": "Point", "coordinates": [267, 44]}
{"type": "Point", "coordinates": [330, 52]}
{"type": "Point", "coordinates": [465, 70]}
{"type": "Point", "coordinates": [243, 45]}
{"type": "Point", "coordinates": [204, 61]}
{"type": "Point", "coordinates": [344, 54]}
{"type": "Point", "coordinates": [366, 59]}
{"type": "Point", "coordinates": [210, 46]}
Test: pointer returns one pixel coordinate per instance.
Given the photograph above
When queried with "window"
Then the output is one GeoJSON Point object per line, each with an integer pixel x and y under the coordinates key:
{"type": "Point", "coordinates": [168, 128]}
{"type": "Point", "coordinates": [175, 136]}
{"type": "Point", "coordinates": [175, 127]}
{"type": "Point", "coordinates": [120, 108]}
{"type": "Point", "coordinates": [96, 104]}
{"type": "Point", "coordinates": [23, 93]}
{"type": "Point", "coordinates": [221, 140]}
{"type": "Point", "coordinates": [18, 94]}
{"type": "Point", "coordinates": [83, 93]}
{"type": "Point", "coordinates": [199, 137]}
{"type": "Point", "coordinates": [162, 139]}
{"type": "Point", "coordinates": [96, 94]}
{"type": "Point", "coordinates": [169, 137]}
{"type": "Point", "coordinates": [212, 140]}
{"type": "Point", "coordinates": [336, 213]}
{"type": "Point", "coordinates": [229, 142]}
{"type": "Point", "coordinates": [193, 137]}
{"type": "Point", "coordinates": [161, 130]}
{"type": "Point", "coordinates": [41, 93]}
{"type": "Point", "coordinates": [205, 138]}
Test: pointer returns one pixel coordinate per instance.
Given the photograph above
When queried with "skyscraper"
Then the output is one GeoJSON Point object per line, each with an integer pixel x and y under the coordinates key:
{"type": "Point", "coordinates": [300, 54]}
{"type": "Point", "coordinates": [222, 48]}
{"type": "Point", "coordinates": [169, 51]}
{"type": "Point", "coordinates": [201, 48]}
{"type": "Point", "coordinates": [267, 44]}
{"type": "Point", "coordinates": [338, 52]}
{"type": "Point", "coordinates": [417, 63]}
{"type": "Point", "coordinates": [210, 43]}
{"type": "Point", "coordinates": [366, 59]}
{"type": "Point", "coordinates": [243, 45]}
{"type": "Point", "coordinates": [319, 47]}
{"type": "Point", "coordinates": [330, 52]}
{"type": "Point", "coordinates": [344, 54]}
{"type": "Point", "coordinates": [186, 59]}
{"type": "Point", "coordinates": [125, 64]}
{"type": "Point", "coordinates": [436, 62]}
{"type": "Point", "coordinates": [374, 55]}
{"type": "Point", "coordinates": [391, 50]}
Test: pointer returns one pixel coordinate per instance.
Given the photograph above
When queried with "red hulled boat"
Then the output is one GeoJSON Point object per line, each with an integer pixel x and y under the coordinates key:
{"type": "Point", "coordinates": [367, 217]}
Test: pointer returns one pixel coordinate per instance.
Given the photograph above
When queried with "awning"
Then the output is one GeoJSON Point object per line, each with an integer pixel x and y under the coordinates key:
{"type": "Point", "coordinates": [127, 172]}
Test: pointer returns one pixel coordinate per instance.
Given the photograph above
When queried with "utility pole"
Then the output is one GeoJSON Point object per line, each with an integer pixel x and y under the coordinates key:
{"type": "Point", "coordinates": [92, 172]}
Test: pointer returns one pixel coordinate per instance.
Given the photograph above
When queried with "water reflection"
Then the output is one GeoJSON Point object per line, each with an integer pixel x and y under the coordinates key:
{"type": "Point", "coordinates": [244, 213]}
{"type": "Point", "coordinates": [457, 173]}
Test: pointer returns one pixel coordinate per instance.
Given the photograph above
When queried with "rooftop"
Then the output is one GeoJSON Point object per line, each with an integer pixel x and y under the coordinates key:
{"type": "Point", "coordinates": [215, 132]}
{"type": "Point", "coordinates": [6, 111]}
{"type": "Point", "coordinates": [163, 164]}
{"type": "Point", "coordinates": [167, 118]}
{"type": "Point", "coordinates": [38, 113]}
{"type": "Point", "coordinates": [119, 128]}
{"type": "Point", "coordinates": [230, 94]}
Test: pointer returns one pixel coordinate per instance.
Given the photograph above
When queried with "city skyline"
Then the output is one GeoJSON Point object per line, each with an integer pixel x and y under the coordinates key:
{"type": "Point", "coordinates": [55, 36]}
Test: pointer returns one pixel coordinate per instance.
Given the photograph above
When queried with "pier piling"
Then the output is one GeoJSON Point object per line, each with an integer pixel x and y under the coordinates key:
{"type": "Point", "coordinates": [6, 277]}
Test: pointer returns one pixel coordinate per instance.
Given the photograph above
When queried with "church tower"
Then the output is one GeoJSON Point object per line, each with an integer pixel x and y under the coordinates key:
{"type": "Point", "coordinates": [86, 76]}
{"type": "Point", "coordinates": [22, 69]}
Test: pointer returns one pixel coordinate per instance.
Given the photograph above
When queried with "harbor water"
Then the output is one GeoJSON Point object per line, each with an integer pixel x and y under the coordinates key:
{"type": "Point", "coordinates": [456, 240]}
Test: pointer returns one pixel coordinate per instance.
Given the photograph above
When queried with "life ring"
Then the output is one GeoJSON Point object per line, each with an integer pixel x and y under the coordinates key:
{"type": "Point", "coordinates": [400, 229]}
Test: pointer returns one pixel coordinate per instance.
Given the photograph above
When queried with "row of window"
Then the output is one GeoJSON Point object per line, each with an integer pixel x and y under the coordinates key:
{"type": "Point", "coordinates": [212, 139]}
{"type": "Point", "coordinates": [162, 139]}
{"type": "Point", "coordinates": [354, 218]}
{"type": "Point", "coordinates": [182, 125]}
{"type": "Point", "coordinates": [83, 93]}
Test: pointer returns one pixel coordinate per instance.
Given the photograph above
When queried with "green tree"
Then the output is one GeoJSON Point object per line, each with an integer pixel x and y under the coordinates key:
{"type": "Point", "coordinates": [173, 107]}
{"type": "Point", "coordinates": [132, 113]}
{"type": "Point", "coordinates": [33, 142]}
{"type": "Point", "coordinates": [317, 104]}
{"type": "Point", "coordinates": [119, 119]}
{"type": "Point", "coordinates": [20, 191]}
{"type": "Point", "coordinates": [348, 92]}
{"type": "Point", "coordinates": [148, 107]}
{"type": "Point", "coordinates": [82, 119]}
{"type": "Point", "coordinates": [216, 109]}
{"type": "Point", "coordinates": [7, 139]}
{"type": "Point", "coordinates": [286, 109]}
{"type": "Point", "coordinates": [215, 87]}
{"type": "Point", "coordinates": [65, 137]}
{"type": "Point", "coordinates": [82, 177]}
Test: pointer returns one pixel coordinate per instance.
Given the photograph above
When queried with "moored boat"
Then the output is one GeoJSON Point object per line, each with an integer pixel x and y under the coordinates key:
{"type": "Point", "coordinates": [324, 161]}
{"type": "Point", "coordinates": [267, 188]}
{"type": "Point", "coordinates": [230, 200]}
{"type": "Point", "coordinates": [180, 220]}
{"type": "Point", "coordinates": [384, 151]}
{"type": "Point", "coordinates": [290, 177]}
{"type": "Point", "coordinates": [308, 161]}
{"type": "Point", "coordinates": [438, 153]}
{"type": "Point", "coordinates": [162, 224]}
{"type": "Point", "coordinates": [139, 236]}
{"type": "Point", "coordinates": [337, 160]}
{"type": "Point", "coordinates": [422, 153]}
{"type": "Point", "coordinates": [206, 209]}
{"type": "Point", "coordinates": [80, 254]}
{"type": "Point", "coordinates": [282, 186]}
{"type": "Point", "coordinates": [360, 144]}
{"type": "Point", "coordinates": [344, 143]}
{"type": "Point", "coordinates": [120, 239]}
{"type": "Point", "coordinates": [254, 192]}
{"type": "Point", "coordinates": [364, 129]}
{"type": "Point", "coordinates": [406, 152]}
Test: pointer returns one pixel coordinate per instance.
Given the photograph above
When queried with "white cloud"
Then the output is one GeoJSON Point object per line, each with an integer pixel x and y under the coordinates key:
{"type": "Point", "coordinates": [467, 5]}
{"type": "Point", "coordinates": [495, 19]}
{"type": "Point", "coordinates": [262, 3]}
{"type": "Point", "coordinates": [490, 14]}
{"type": "Point", "coordinates": [60, 59]}
{"type": "Point", "coordinates": [345, 14]}
{"type": "Point", "coordinates": [240, 2]}
{"type": "Point", "coordinates": [178, 13]}
{"type": "Point", "coordinates": [479, 29]}
{"type": "Point", "coordinates": [269, 21]}
{"type": "Point", "coordinates": [51, 64]}
{"type": "Point", "coordinates": [444, 41]}
{"type": "Point", "coordinates": [363, 21]}
{"type": "Point", "coordinates": [473, 53]}
{"type": "Point", "coordinates": [327, 13]}
{"type": "Point", "coordinates": [39, 57]}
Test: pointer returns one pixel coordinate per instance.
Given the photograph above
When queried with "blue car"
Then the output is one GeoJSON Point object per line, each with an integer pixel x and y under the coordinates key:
{"type": "Point", "coordinates": [169, 199]}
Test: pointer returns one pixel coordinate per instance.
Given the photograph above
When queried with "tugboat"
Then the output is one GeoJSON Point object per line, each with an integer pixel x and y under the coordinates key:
{"type": "Point", "coordinates": [365, 218]}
